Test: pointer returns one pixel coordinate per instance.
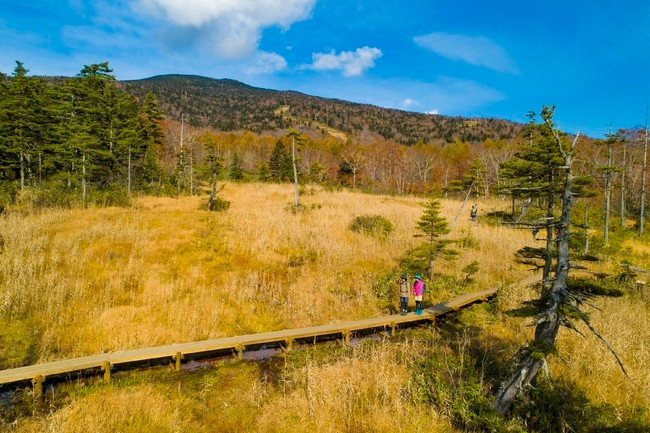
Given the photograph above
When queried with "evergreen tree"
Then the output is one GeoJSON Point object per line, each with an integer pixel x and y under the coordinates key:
{"type": "Point", "coordinates": [236, 167]}
{"type": "Point", "coordinates": [472, 183]}
{"type": "Point", "coordinates": [82, 133]}
{"type": "Point", "coordinates": [24, 127]}
{"type": "Point", "coordinates": [152, 136]}
{"type": "Point", "coordinates": [535, 173]}
{"type": "Point", "coordinates": [215, 166]}
{"type": "Point", "coordinates": [263, 172]}
{"type": "Point", "coordinates": [280, 166]}
{"type": "Point", "coordinates": [433, 227]}
{"type": "Point", "coordinates": [561, 300]}
{"type": "Point", "coordinates": [102, 127]}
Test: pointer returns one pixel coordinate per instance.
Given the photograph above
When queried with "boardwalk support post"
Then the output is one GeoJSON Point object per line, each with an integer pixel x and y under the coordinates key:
{"type": "Point", "coordinates": [178, 357]}
{"type": "Point", "coordinates": [240, 351]}
{"type": "Point", "coordinates": [106, 368]}
{"type": "Point", "coordinates": [346, 335]}
{"type": "Point", "coordinates": [393, 328]}
{"type": "Point", "coordinates": [37, 383]}
{"type": "Point", "coordinates": [288, 344]}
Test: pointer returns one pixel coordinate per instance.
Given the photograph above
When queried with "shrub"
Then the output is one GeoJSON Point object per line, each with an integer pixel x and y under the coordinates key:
{"type": "Point", "coordinates": [450, 382]}
{"type": "Point", "coordinates": [560, 406]}
{"type": "Point", "coordinates": [111, 195]}
{"type": "Point", "coordinates": [372, 225]}
{"type": "Point", "coordinates": [468, 241]}
{"type": "Point", "coordinates": [217, 204]}
{"type": "Point", "coordinates": [384, 289]}
{"type": "Point", "coordinates": [59, 195]}
{"type": "Point", "coordinates": [470, 270]}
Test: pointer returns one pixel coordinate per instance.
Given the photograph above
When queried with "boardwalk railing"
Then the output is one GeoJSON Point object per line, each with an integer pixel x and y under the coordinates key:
{"type": "Point", "coordinates": [71, 369]}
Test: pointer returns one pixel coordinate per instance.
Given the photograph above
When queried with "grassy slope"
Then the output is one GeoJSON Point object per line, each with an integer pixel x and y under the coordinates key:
{"type": "Point", "coordinates": [163, 272]}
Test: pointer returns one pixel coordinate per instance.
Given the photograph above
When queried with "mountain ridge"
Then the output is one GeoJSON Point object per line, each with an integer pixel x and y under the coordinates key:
{"type": "Point", "coordinates": [230, 105]}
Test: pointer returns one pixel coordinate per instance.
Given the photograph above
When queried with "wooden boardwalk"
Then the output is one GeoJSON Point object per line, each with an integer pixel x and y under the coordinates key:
{"type": "Point", "coordinates": [71, 369]}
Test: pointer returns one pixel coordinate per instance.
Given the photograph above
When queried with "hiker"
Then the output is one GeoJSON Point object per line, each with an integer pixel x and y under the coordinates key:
{"type": "Point", "coordinates": [418, 291]}
{"type": "Point", "coordinates": [403, 295]}
{"type": "Point", "coordinates": [474, 212]}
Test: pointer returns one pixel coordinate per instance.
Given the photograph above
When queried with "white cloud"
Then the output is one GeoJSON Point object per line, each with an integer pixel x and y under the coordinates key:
{"type": "Point", "coordinates": [233, 27]}
{"type": "Point", "coordinates": [434, 112]}
{"type": "Point", "coordinates": [352, 63]}
{"type": "Point", "coordinates": [408, 102]}
{"type": "Point", "coordinates": [475, 50]}
{"type": "Point", "coordinates": [267, 63]}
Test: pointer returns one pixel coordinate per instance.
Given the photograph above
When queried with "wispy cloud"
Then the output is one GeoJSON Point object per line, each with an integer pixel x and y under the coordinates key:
{"type": "Point", "coordinates": [233, 28]}
{"type": "Point", "coordinates": [267, 63]}
{"type": "Point", "coordinates": [475, 50]}
{"type": "Point", "coordinates": [352, 63]}
{"type": "Point", "coordinates": [409, 102]}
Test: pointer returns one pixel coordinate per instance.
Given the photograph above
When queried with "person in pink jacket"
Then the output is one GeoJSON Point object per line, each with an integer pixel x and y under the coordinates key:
{"type": "Point", "coordinates": [418, 291]}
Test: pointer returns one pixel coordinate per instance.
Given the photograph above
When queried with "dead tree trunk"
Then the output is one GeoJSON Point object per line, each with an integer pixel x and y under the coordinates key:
{"type": "Point", "coordinates": [608, 190]}
{"type": "Point", "coordinates": [643, 174]}
{"type": "Point", "coordinates": [533, 357]}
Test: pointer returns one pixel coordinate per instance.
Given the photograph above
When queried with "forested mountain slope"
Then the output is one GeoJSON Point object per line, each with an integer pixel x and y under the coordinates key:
{"type": "Point", "coordinates": [229, 105]}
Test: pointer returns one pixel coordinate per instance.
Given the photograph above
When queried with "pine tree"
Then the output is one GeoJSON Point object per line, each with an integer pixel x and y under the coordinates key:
{"type": "Point", "coordinates": [280, 166]}
{"type": "Point", "coordinates": [561, 299]}
{"type": "Point", "coordinates": [102, 127]}
{"type": "Point", "coordinates": [472, 183]}
{"type": "Point", "coordinates": [81, 134]}
{"type": "Point", "coordinates": [152, 136]}
{"type": "Point", "coordinates": [433, 227]}
{"type": "Point", "coordinates": [535, 174]}
{"type": "Point", "coordinates": [24, 127]}
{"type": "Point", "coordinates": [236, 168]}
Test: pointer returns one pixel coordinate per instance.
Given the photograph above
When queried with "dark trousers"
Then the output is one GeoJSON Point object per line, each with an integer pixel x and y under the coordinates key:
{"type": "Point", "coordinates": [404, 304]}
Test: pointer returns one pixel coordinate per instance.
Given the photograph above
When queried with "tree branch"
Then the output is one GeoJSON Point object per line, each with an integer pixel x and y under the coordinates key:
{"type": "Point", "coordinates": [602, 340]}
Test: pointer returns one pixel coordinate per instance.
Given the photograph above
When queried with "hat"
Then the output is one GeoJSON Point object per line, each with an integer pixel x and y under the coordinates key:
{"type": "Point", "coordinates": [403, 276]}
{"type": "Point", "coordinates": [418, 276]}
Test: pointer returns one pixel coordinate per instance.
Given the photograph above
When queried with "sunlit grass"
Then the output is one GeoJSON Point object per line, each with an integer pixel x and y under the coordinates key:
{"type": "Point", "coordinates": [80, 282]}
{"type": "Point", "coordinates": [163, 271]}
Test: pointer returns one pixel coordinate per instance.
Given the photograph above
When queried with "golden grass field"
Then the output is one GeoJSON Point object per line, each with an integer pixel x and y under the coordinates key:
{"type": "Point", "coordinates": [81, 282]}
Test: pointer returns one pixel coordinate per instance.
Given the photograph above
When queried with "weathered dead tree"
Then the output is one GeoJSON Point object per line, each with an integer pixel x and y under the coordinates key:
{"type": "Point", "coordinates": [555, 295]}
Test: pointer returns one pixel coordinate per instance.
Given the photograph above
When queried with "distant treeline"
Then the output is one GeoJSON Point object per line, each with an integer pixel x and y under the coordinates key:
{"type": "Point", "coordinates": [88, 139]}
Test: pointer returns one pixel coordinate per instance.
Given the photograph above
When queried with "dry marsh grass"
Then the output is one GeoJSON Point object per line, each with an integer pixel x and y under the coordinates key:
{"type": "Point", "coordinates": [163, 271]}
{"type": "Point", "coordinates": [81, 282]}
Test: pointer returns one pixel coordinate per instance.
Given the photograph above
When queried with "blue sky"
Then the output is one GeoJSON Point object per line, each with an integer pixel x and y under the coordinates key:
{"type": "Point", "coordinates": [501, 58]}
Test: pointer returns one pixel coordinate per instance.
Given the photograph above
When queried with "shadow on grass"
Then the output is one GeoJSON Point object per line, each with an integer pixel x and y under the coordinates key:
{"type": "Point", "coordinates": [460, 374]}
